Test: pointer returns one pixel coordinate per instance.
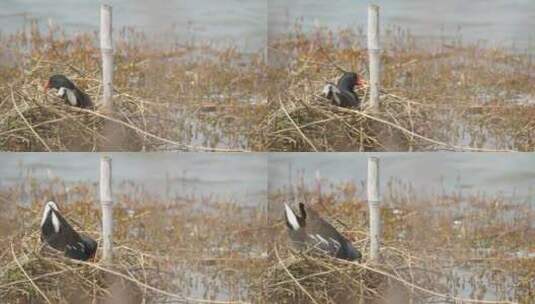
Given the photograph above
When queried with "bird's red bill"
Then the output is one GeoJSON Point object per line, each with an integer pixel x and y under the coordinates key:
{"type": "Point", "coordinates": [47, 86]}
{"type": "Point", "coordinates": [360, 82]}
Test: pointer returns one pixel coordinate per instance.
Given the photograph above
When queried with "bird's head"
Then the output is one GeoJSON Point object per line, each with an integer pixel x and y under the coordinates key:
{"type": "Point", "coordinates": [58, 81]}
{"type": "Point", "coordinates": [353, 254]}
{"type": "Point", "coordinates": [90, 247]}
{"type": "Point", "coordinates": [349, 80]}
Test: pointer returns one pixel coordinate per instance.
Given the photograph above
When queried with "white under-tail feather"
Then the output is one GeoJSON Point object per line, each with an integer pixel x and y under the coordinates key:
{"type": "Point", "coordinates": [55, 221]}
{"type": "Point", "coordinates": [327, 89]}
{"type": "Point", "coordinates": [332, 89]}
{"type": "Point", "coordinates": [61, 92]}
{"type": "Point", "coordinates": [291, 218]}
{"type": "Point", "coordinates": [71, 97]}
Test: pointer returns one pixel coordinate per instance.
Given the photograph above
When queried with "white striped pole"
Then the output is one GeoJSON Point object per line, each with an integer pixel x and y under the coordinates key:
{"type": "Point", "coordinates": [106, 48]}
{"type": "Point", "coordinates": [373, 205]}
{"type": "Point", "coordinates": [106, 203]}
{"type": "Point", "coordinates": [374, 53]}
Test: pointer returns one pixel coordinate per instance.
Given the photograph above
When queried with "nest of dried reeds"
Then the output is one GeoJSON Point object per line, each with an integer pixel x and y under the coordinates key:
{"type": "Point", "coordinates": [34, 121]}
{"type": "Point", "coordinates": [35, 273]}
{"type": "Point", "coordinates": [308, 122]}
{"type": "Point", "coordinates": [306, 277]}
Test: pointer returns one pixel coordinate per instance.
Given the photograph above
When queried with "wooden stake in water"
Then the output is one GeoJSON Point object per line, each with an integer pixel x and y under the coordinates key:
{"type": "Point", "coordinates": [374, 53]}
{"type": "Point", "coordinates": [107, 208]}
{"type": "Point", "coordinates": [106, 48]}
{"type": "Point", "coordinates": [373, 205]}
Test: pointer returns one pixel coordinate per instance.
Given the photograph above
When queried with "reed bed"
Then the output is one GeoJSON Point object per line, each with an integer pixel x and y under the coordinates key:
{"type": "Point", "coordinates": [180, 250]}
{"type": "Point", "coordinates": [436, 95]}
{"type": "Point", "coordinates": [167, 97]}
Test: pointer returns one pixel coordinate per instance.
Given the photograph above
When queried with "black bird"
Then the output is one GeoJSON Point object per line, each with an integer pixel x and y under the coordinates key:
{"type": "Point", "coordinates": [310, 230]}
{"type": "Point", "coordinates": [71, 94]}
{"type": "Point", "coordinates": [58, 234]}
{"type": "Point", "coordinates": [343, 94]}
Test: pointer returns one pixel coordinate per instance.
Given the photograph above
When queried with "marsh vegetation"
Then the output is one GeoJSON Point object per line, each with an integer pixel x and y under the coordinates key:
{"type": "Point", "coordinates": [191, 96]}
{"type": "Point", "coordinates": [444, 247]}
{"type": "Point", "coordinates": [442, 94]}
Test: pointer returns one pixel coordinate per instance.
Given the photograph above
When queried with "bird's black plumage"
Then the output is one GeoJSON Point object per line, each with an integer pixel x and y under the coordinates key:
{"type": "Point", "coordinates": [310, 230]}
{"type": "Point", "coordinates": [59, 234]}
{"type": "Point", "coordinates": [67, 90]}
{"type": "Point", "coordinates": [343, 94]}
{"type": "Point", "coordinates": [348, 81]}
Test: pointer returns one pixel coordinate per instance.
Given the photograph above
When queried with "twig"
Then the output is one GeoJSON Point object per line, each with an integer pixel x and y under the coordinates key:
{"type": "Point", "coordinates": [26, 274]}
{"type": "Point", "coordinates": [46, 275]}
{"type": "Point", "coordinates": [401, 280]}
{"type": "Point", "coordinates": [292, 276]}
{"type": "Point", "coordinates": [157, 290]}
{"type": "Point", "coordinates": [168, 141]}
{"type": "Point", "coordinates": [433, 141]}
{"type": "Point", "coordinates": [26, 121]}
{"type": "Point", "coordinates": [297, 127]}
{"type": "Point", "coordinates": [35, 126]}
{"type": "Point", "coordinates": [310, 124]}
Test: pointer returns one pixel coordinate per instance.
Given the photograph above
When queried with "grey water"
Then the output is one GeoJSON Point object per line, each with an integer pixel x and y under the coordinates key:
{"type": "Point", "coordinates": [506, 23]}
{"type": "Point", "coordinates": [248, 177]}
{"type": "Point", "coordinates": [240, 178]}
{"type": "Point", "coordinates": [227, 23]}
{"type": "Point", "coordinates": [499, 23]}
{"type": "Point", "coordinates": [511, 175]}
